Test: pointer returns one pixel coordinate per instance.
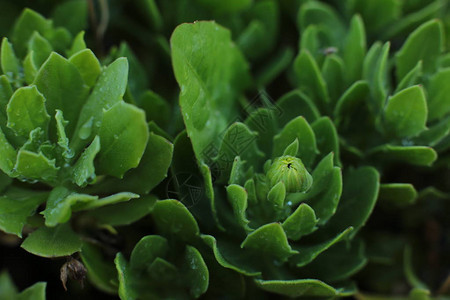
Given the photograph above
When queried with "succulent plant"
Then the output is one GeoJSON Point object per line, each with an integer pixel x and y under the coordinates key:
{"type": "Point", "coordinates": [68, 139]}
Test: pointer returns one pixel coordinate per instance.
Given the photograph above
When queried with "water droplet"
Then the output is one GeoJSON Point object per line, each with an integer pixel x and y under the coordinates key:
{"type": "Point", "coordinates": [86, 129]}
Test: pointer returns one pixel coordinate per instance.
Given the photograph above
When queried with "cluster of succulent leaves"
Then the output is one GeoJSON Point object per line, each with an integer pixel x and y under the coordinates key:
{"type": "Point", "coordinates": [272, 194]}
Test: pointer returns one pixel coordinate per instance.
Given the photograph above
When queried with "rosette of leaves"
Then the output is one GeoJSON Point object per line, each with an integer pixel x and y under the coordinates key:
{"type": "Point", "coordinates": [168, 265]}
{"type": "Point", "coordinates": [68, 139]}
{"type": "Point", "coordinates": [393, 116]}
{"type": "Point", "coordinates": [277, 211]}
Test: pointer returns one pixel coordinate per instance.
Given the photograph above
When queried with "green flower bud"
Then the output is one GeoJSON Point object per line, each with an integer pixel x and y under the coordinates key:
{"type": "Point", "coordinates": [291, 171]}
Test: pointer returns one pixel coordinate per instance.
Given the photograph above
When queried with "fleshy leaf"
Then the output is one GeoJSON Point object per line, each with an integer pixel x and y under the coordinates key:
{"type": "Point", "coordinates": [88, 65]}
{"type": "Point", "coordinates": [397, 194]}
{"type": "Point", "coordinates": [326, 137]}
{"type": "Point", "coordinates": [83, 170]}
{"type": "Point", "coordinates": [41, 49]}
{"type": "Point", "coordinates": [310, 79]}
{"type": "Point", "coordinates": [100, 272]}
{"type": "Point", "coordinates": [350, 100]}
{"type": "Point", "coordinates": [414, 155]}
{"type": "Point", "coordinates": [9, 62]}
{"type": "Point", "coordinates": [108, 90]}
{"type": "Point", "coordinates": [425, 44]}
{"type": "Point", "coordinates": [124, 213]}
{"type": "Point", "coordinates": [269, 240]}
{"type": "Point", "coordinates": [358, 199]}
{"type": "Point", "coordinates": [59, 205]}
{"type": "Point", "coordinates": [438, 91]}
{"type": "Point", "coordinates": [63, 88]}
{"type": "Point", "coordinates": [196, 272]}
{"type": "Point", "coordinates": [211, 73]}
{"type": "Point", "coordinates": [294, 104]}
{"type": "Point", "coordinates": [354, 49]}
{"type": "Point", "coordinates": [303, 288]}
{"type": "Point", "coordinates": [35, 292]}
{"type": "Point", "coordinates": [300, 223]}
{"type": "Point", "coordinates": [147, 250]}
{"type": "Point", "coordinates": [63, 141]}
{"type": "Point", "coordinates": [123, 138]}
{"type": "Point", "coordinates": [308, 253]}
{"type": "Point", "coordinates": [173, 218]}
{"type": "Point", "coordinates": [26, 111]}
{"type": "Point", "coordinates": [406, 112]}
{"type": "Point", "coordinates": [7, 155]}
{"type": "Point", "coordinates": [299, 129]}
{"type": "Point", "coordinates": [35, 166]}
{"type": "Point", "coordinates": [15, 209]}
{"type": "Point", "coordinates": [52, 241]}
{"type": "Point", "coordinates": [237, 196]}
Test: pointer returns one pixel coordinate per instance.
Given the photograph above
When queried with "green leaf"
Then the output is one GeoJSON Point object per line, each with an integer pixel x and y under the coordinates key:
{"type": "Point", "coordinates": [83, 170]}
{"type": "Point", "coordinates": [15, 209]}
{"type": "Point", "coordinates": [196, 272]}
{"type": "Point", "coordinates": [125, 290]}
{"type": "Point", "coordinates": [113, 199]}
{"type": "Point", "coordinates": [406, 112]}
{"type": "Point", "coordinates": [414, 155]}
{"type": "Point", "coordinates": [339, 262]}
{"type": "Point", "coordinates": [41, 49]}
{"type": "Point", "coordinates": [238, 140]}
{"type": "Point", "coordinates": [63, 88]}
{"type": "Point", "coordinates": [231, 256]}
{"type": "Point", "coordinates": [237, 196]}
{"type": "Point", "coordinates": [302, 288]}
{"type": "Point", "coordinates": [59, 205]}
{"type": "Point", "coordinates": [269, 240]}
{"type": "Point", "coordinates": [324, 17]}
{"type": "Point", "coordinates": [124, 213]}
{"type": "Point", "coordinates": [358, 199]}
{"type": "Point", "coordinates": [156, 108]}
{"type": "Point", "coordinates": [52, 241]}
{"type": "Point", "coordinates": [412, 78]}
{"type": "Point", "coordinates": [276, 197]}
{"type": "Point", "coordinates": [377, 77]}
{"type": "Point", "coordinates": [29, 68]}
{"type": "Point", "coordinates": [34, 292]}
{"type": "Point", "coordinates": [88, 65]}
{"type": "Point", "coordinates": [300, 223]}
{"type": "Point", "coordinates": [78, 44]}
{"type": "Point", "coordinates": [310, 80]}
{"type": "Point", "coordinates": [333, 74]}
{"type": "Point", "coordinates": [108, 90]}
{"type": "Point", "coordinates": [26, 111]}
{"type": "Point", "coordinates": [35, 166]}
{"type": "Point", "coordinates": [294, 104]}
{"type": "Point", "coordinates": [308, 253]}
{"type": "Point", "coordinates": [63, 141]}
{"type": "Point", "coordinates": [211, 73]}
{"type": "Point", "coordinates": [173, 218]}
{"type": "Point", "coordinates": [147, 250]}
{"type": "Point", "coordinates": [299, 129]}
{"type": "Point", "coordinates": [151, 171]}
{"type": "Point", "coordinates": [326, 137]}
{"type": "Point", "coordinates": [435, 134]}
{"type": "Point", "coordinates": [350, 100]}
{"type": "Point", "coordinates": [123, 138]}
{"type": "Point", "coordinates": [425, 44]}
{"type": "Point", "coordinates": [9, 62]}
{"type": "Point", "coordinates": [397, 194]}
{"type": "Point", "coordinates": [8, 290]}
{"type": "Point", "coordinates": [7, 155]}
{"type": "Point", "coordinates": [438, 91]}
{"type": "Point", "coordinates": [28, 22]}
{"type": "Point", "coordinates": [325, 191]}
{"type": "Point", "coordinates": [354, 50]}
{"type": "Point", "coordinates": [99, 272]}
{"type": "Point", "coordinates": [292, 149]}
{"type": "Point", "coordinates": [377, 13]}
